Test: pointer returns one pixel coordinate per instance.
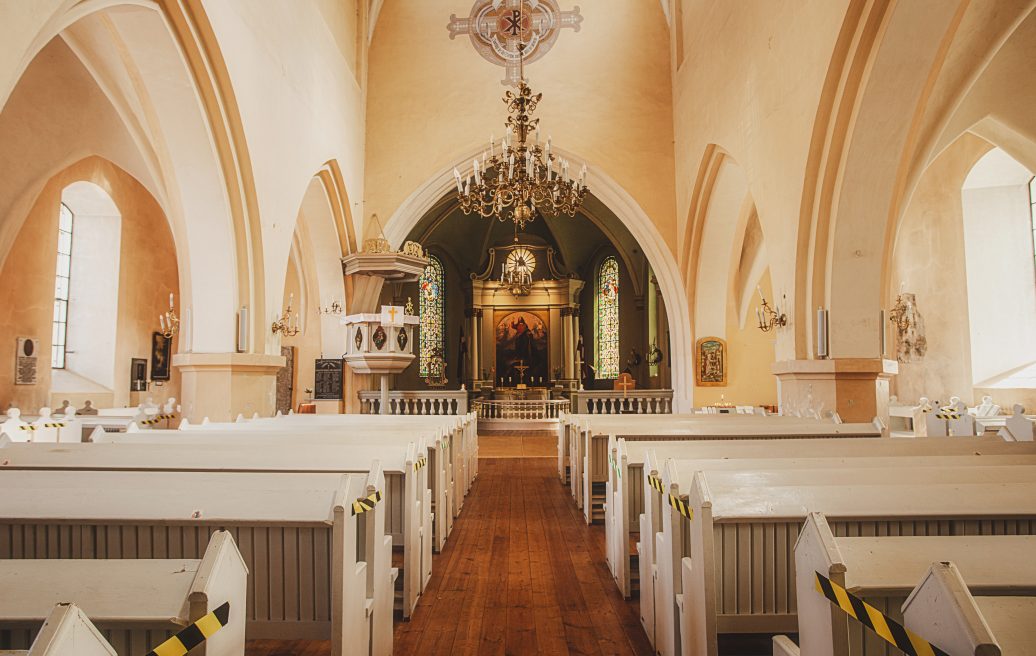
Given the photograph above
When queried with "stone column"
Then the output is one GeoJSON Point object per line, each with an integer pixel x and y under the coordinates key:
{"type": "Point", "coordinates": [857, 388]}
{"type": "Point", "coordinates": [473, 343]}
{"type": "Point", "coordinates": [221, 386]}
{"type": "Point", "coordinates": [570, 345]}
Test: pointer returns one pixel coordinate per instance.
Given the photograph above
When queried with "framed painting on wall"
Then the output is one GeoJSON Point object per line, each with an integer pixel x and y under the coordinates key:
{"type": "Point", "coordinates": [161, 354]}
{"type": "Point", "coordinates": [710, 362]}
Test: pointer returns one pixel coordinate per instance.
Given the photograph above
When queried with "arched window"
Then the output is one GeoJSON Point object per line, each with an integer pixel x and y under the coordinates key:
{"type": "Point", "coordinates": [433, 319]}
{"type": "Point", "coordinates": [62, 282]}
{"type": "Point", "coordinates": [607, 328]}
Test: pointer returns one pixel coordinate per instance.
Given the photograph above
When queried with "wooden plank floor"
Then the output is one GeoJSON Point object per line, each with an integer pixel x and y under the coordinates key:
{"type": "Point", "coordinates": [521, 574]}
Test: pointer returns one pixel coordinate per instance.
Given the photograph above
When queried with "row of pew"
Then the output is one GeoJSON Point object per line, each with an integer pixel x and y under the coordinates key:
{"type": "Point", "coordinates": [722, 522]}
{"type": "Point", "coordinates": [325, 527]}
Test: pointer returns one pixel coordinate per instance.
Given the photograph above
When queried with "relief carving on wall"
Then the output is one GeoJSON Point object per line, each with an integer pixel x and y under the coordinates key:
{"type": "Point", "coordinates": [911, 343]}
{"type": "Point", "coordinates": [495, 25]}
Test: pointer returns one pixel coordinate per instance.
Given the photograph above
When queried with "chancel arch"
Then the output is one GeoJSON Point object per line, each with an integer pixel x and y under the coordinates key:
{"type": "Point", "coordinates": [429, 197]}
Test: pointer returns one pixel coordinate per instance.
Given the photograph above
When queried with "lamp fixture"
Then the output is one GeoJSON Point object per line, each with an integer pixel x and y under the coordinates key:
{"type": "Point", "coordinates": [334, 308]}
{"type": "Point", "coordinates": [516, 271]}
{"type": "Point", "coordinates": [770, 318]}
{"type": "Point", "coordinates": [525, 177]}
{"type": "Point", "coordinates": [285, 326]}
{"type": "Point", "coordinates": [168, 321]}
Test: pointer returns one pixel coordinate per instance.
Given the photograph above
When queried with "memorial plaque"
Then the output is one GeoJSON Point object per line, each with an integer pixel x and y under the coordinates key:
{"type": "Point", "coordinates": [25, 369]}
{"type": "Point", "coordinates": [328, 383]}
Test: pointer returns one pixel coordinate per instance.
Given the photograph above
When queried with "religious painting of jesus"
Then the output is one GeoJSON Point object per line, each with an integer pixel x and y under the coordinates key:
{"type": "Point", "coordinates": [711, 355]}
{"type": "Point", "coordinates": [521, 349]}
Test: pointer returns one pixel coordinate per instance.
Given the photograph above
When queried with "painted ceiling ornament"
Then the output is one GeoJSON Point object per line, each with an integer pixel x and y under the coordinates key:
{"type": "Point", "coordinates": [495, 26]}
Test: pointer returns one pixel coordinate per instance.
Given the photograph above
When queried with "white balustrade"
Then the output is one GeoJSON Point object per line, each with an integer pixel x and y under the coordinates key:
{"type": "Point", "coordinates": [416, 402]}
{"type": "Point", "coordinates": [509, 410]}
{"type": "Point", "coordinates": [617, 402]}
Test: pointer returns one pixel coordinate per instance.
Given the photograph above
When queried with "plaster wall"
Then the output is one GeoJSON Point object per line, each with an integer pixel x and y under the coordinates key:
{"type": "Point", "coordinates": [929, 261]}
{"type": "Point", "coordinates": [1001, 281]}
{"type": "Point", "coordinates": [435, 96]}
{"type": "Point", "coordinates": [750, 82]}
{"type": "Point", "coordinates": [299, 282]}
{"type": "Point", "coordinates": [750, 353]}
{"type": "Point", "coordinates": [147, 275]}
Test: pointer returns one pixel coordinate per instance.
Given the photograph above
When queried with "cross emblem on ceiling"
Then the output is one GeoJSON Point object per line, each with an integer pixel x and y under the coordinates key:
{"type": "Point", "coordinates": [496, 27]}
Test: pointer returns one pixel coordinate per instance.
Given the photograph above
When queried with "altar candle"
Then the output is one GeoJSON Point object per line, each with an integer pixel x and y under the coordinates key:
{"type": "Point", "coordinates": [170, 300]}
{"type": "Point", "coordinates": [161, 322]}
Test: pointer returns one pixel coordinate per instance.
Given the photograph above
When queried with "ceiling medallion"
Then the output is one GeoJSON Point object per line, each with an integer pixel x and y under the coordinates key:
{"type": "Point", "coordinates": [496, 27]}
{"type": "Point", "coordinates": [525, 178]}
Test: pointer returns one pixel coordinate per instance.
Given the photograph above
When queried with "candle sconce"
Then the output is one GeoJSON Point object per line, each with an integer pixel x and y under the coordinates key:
{"type": "Point", "coordinates": [285, 326]}
{"type": "Point", "coordinates": [169, 322]}
{"type": "Point", "coordinates": [770, 318]}
{"type": "Point", "coordinates": [334, 308]}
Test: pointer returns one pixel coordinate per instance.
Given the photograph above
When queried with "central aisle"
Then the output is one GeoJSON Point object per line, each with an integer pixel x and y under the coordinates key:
{"type": "Point", "coordinates": [522, 574]}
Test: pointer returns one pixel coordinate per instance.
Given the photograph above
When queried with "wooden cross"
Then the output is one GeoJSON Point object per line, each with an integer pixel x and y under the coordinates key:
{"type": "Point", "coordinates": [625, 385]}
{"type": "Point", "coordinates": [521, 368]}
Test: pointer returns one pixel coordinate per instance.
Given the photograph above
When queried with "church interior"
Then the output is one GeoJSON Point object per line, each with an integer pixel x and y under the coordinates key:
{"type": "Point", "coordinates": [675, 327]}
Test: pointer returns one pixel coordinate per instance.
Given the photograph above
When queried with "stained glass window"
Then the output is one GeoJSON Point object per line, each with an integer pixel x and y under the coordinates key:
{"type": "Point", "coordinates": [62, 279]}
{"type": "Point", "coordinates": [607, 333]}
{"type": "Point", "coordinates": [433, 320]}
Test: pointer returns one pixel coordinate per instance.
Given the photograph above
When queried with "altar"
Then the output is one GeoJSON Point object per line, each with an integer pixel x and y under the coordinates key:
{"type": "Point", "coordinates": [525, 323]}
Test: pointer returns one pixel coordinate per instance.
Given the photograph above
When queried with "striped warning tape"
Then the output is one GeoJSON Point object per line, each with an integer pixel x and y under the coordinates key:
{"type": "Point", "coordinates": [655, 482]}
{"type": "Point", "coordinates": [947, 415]}
{"type": "Point", "coordinates": [614, 465]}
{"type": "Point", "coordinates": [887, 628]}
{"type": "Point", "coordinates": [420, 463]}
{"type": "Point", "coordinates": [156, 419]}
{"type": "Point", "coordinates": [195, 634]}
{"type": "Point", "coordinates": [32, 427]}
{"type": "Point", "coordinates": [366, 504]}
{"type": "Point", "coordinates": [681, 506]}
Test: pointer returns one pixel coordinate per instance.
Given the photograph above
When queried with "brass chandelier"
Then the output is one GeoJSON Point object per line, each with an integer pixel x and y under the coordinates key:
{"type": "Point", "coordinates": [524, 177]}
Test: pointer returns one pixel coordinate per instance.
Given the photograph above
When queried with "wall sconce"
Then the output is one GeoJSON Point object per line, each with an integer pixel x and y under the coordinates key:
{"type": "Point", "coordinates": [169, 322]}
{"type": "Point", "coordinates": [284, 325]}
{"type": "Point", "coordinates": [768, 317]}
{"type": "Point", "coordinates": [334, 308]}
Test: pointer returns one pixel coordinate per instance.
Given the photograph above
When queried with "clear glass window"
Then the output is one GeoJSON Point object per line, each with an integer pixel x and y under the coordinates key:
{"type": "Point", "coordinates": [62, 279]}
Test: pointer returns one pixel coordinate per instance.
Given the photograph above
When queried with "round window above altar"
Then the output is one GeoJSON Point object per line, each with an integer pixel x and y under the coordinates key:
{"type": "Point", "coordinates": [521, 260]}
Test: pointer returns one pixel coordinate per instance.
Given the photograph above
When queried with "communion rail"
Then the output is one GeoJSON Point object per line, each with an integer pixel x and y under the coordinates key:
{"type": "Point", "coordinates": [416, 402]}
{"type": "Point", "coordinates": [536, 414]}
{"type": "Point", "coordinates": [617, 402]}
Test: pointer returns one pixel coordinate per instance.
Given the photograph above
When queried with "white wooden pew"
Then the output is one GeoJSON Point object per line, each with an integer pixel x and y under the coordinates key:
{"type": "Point", "coordinates": [1018, 427]}
{"type": "Point", "coordinates": [316, 570]}
{"type": "Point", "coordinates": [592, 447]}
{"type": "Point", "coordinates": [634, 504]}
{"type": "Point", "coordinates": [439, 466]}
{"type": "Point", "coordinates": [67, 631]}
{"type": "Point", "coordinates": [463, 427]}
{"type": "Point", "coordinates": [703, 580]}
{"type": "Point", "coordinates": [883, 570]}
{"type": "Point", "coordinates": [943, 610]}
{"type": "Point", "coordinates": [137, 604]}
{"type": "Point", "coordinates": [407, 499]}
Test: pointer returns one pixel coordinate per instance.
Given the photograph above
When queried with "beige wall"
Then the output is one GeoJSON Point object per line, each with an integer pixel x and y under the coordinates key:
{"type": "Point", "coordinates": [148, 274]}
{"type": "Point", "coordinates": [432, 100]}
{"type": "Point", "coordinates": [750, 352]}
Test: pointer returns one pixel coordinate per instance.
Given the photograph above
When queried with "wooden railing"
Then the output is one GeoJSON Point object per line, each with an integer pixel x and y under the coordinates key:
{"type": "Point", "coordinates": [521, 410]}
{"type": "Point", "coordinates": [636, 402]}
{"type": "Point", "coordinates": [416, 402]}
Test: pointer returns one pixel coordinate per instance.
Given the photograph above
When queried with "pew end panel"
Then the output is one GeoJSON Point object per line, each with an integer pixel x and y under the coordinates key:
{"type": "Point", "coordinates": [816, 550]}
{"type": "Point", "coordinates": [222, 577]}
{"type": "Point", "coordinates": [784, 646]}
{"type": "Point", "coordinates": [942, 610]}
{"type": "Point", "coordinates": [67, 631]}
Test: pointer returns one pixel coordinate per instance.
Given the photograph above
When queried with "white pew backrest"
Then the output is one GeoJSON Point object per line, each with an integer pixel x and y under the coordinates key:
{"type": "Point", "coordinates": [407, 500]}
{"type": "Point", "coordinates": [161, 595]}
{"type": "Point", "coordinates": [964, 423]}
{"type": "Point", "coordinates": [297, 534]}
{"type": "Point", "coordinates": [883, 570]}
{"type": "Point", "coordinates": [1018, 427]}
{"type": "Point", "coordinates": [941, 610]}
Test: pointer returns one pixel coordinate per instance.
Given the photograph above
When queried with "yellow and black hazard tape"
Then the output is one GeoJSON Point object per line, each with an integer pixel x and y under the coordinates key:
{"type": "Point", "coordinates": [947, 415]}
{"type": "Point", "coordinates": [887, 628]}
{"type": "Point", "coordinates": [32, 427]}
{"type": "Point", "coordinates": [615, 465]}
{"type": "Point", "coordinates": [420, 463]}
{"type": "Point", "coordinates": [157, 419]}
{"type": "Point", "coordinates": [656, 483]}
{"type": "Point", "coordinates": [366, 504]}
{"type": "Point", "coordinates": [195, 634]}
{"type": "Point", "coordinates": [681, 506]}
